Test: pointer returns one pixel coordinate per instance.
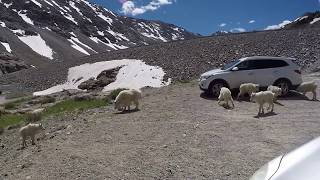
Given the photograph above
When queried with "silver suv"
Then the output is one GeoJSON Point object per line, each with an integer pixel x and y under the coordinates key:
{"type": "Point", "coordinates": [262, 70]}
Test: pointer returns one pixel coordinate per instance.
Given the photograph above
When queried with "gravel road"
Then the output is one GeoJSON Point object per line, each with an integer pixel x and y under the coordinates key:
{"type": "Point", "coordinates": [177, 134]}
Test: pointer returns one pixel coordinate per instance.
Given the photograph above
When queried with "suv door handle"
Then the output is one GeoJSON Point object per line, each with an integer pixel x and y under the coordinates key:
{"type": "Point", "coordinates": [250, 73]}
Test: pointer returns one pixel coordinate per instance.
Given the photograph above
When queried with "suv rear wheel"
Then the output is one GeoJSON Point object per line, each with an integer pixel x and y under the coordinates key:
{"type": "Point", "coordinates": [284, 84]}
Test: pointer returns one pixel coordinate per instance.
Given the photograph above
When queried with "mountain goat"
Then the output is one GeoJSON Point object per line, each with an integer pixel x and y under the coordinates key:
{"type": "Point", "coordinates": [308, 87]}
{"type": "Point", "coordinates": [261, 98]}
{"type": "Point", "coordinates": [225, 95]}
{"type": "Point", "coordinates": [125, 98]}
{"type": "Point", "coordinates": [30, 130]}
{"type": "Point", "coordinates": [276, 90]}
{"type": "Point", "coordinates": [248, 88]}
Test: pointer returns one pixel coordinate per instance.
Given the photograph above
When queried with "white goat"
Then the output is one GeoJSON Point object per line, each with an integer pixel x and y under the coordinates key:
{"type": "Point", "coordinates": [276, 90]}
{"type": "Point", "coordinates": [308, 87]}
{"type": "Point", "coordinates": [125, 98]}
{"type": "Point", "coordinates": [225, 95]}
{"type": "Point", "coordinates": [248, 88]}
{"type": "Point", "coordinates": [30, 130]}
{"type": "Point", "coordinates": [261, 98]}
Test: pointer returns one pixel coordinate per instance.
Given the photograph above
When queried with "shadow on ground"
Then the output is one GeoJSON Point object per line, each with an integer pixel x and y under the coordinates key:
{"type": "Point", "coordinates": [265, 115]}
{"type": "Point", "coordinates": [127, 111]}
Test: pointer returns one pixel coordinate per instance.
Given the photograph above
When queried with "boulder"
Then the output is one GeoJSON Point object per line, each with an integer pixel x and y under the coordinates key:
{"type": "Point", "coordinates": [103, 79]}
{"type": "Point", "coordinates": [10, 63]}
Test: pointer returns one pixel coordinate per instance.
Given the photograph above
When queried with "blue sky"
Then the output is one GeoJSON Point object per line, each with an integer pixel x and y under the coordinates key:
{"type": "Point", "coordinates": [208, 16]}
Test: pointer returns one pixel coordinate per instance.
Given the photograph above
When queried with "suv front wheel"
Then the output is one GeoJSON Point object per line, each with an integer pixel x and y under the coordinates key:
{"type": "Point", "coordinates": [216, 86]}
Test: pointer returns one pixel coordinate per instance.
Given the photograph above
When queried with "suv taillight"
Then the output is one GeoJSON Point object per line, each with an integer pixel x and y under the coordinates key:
{"type": "Point", "coordinates": [297, 71]}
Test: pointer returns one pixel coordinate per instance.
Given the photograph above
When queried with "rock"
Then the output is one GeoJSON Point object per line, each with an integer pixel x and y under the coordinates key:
{"type": "Point", "coordinates": [83, 97]}
{"type": "Point", "coordinates": [103, 79]}
{"type": "Point", "coordinates": [1, 130]}
{"type": "Point", "coordinates": [28, 177]}
{"type": "Point", "coordinates": [42, 100]}
{"type": "Point", "coordinates": [10, 63]}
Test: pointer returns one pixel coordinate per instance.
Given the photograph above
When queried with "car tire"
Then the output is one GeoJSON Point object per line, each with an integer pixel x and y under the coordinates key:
{"type": "Point", "coordinates": [285, 86]}
{"type": "Point", "coordinates": [215, 87]}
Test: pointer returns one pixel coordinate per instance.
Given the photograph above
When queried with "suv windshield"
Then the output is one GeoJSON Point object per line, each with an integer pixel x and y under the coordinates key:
{"type": "Point", "coordinates": [227, 66]}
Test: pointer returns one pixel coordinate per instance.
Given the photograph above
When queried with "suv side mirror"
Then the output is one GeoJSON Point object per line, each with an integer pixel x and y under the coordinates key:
{"type": "Point", "coordinates": [235, 69]}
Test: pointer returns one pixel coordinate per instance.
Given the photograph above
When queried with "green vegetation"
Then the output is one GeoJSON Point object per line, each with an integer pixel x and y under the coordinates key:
{"type": "Point", "coordinates": [10, 105]}
{"type": "Point", "coordinates": [72, 105]}
{"type": "Point", "coordinates": [15, 95]}
{"type": "Point", "coordinates": [10, 119]}
{"type": "Point", "coordinates": [113, 94]}
{"type": "Point", "coordinates": [61, 107]}
{"type": "Point", "coordinates": [47, 99]}
{"type": "Point", "coordinates": [13, 104]}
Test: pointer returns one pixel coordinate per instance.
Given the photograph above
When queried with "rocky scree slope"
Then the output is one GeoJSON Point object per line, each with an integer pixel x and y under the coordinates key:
{"type": "Point", "coordinates": [185, 60]}
{"type": "Point", "coordinates": [45, 31]}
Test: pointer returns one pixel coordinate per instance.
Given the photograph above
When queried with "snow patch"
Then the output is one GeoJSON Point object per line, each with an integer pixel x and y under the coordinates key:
{"type": "Point", "coordinates": [25, 18]}
{"type": "Point", "coordinates": [73, 5]}
{"type": "Point", "coordinates": [301, 18]}
{"type": "Point", "coordinates": [279, 26]}
{"type": "Point", "coordinates": [151, 31]}
{"type": "Point", "coordinates": [36, 3]}
{"type": "Point", "coordinates": [7, 46]}
{"type": "Point", "coordinates": [100, 33]}
{"type": "Point", "coordinates": [2, 24]}
{"type": "Point", "coordinates": [117, 35]}
{"type": "Point", "coordinates": [315, 20]}
{"type": "Point", "coordinates": [74, 39]}
{"type": "Point", "coordinates": [133, 74]}
{"type": "Point", "coordinates": [48, 2]}
{"type": "Point", "coordinates": [55, 3]}
{"type": "Point", "coordinates": [7, 5]}
{"type": "Point", "coordinates": [68, 16]}
{"type": "Point", "coordinates": [107, 19]}
{"type": "Point", "coordinates": [77, 47]}
{"type": "Point", "coordinates": [37, 44]}
{"type": "Point", "coordinates": [18, 31]}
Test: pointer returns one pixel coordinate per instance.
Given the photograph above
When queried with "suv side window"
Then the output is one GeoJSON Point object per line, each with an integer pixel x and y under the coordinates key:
{"type": "Point", "coordinates": [279, 63]}
{"type": "Point", "coordinates": [265, 64]}
{"type": "Point", "coordinates": [243, 66]}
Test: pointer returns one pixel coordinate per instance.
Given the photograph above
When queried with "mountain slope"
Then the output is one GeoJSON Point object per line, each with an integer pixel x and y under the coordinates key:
{"type": "Point", "coordinates": [60, 30]}
{"type": "Point", "coordinates": [308, 20]}
{"type": "Point", "coordinates": [185, 60]}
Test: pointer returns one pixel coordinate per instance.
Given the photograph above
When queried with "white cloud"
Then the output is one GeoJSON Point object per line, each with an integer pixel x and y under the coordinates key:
{"type": "Point", "coordinates": [222, 25]}
{"type": "Point", "coordinates": [253, 21]}
{"type": "Point", "coordinates": [238, 30]}
{"type": "Point", "coordinates": [279, 26]}
{"type": "Point", "coordinates": [130, 8]}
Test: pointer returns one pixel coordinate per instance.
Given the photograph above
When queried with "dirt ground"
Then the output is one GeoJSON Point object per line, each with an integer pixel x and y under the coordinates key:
{"type": "Point", "coordinates": [177, 134]}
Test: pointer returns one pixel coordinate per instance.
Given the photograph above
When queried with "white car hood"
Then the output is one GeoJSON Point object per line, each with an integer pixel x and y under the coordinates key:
{"type": "Point", "coordinates": [302, 163]}
{"type": "Point", "coordinates": [212, 72]}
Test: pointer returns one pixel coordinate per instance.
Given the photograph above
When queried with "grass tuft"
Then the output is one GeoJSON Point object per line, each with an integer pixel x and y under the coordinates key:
{"type": "Point", "coordinates": [61, 107]}
{"type": "Point", "coordinates": [72, 105]}
{"type": "Point", "coordinates": [10, 119]}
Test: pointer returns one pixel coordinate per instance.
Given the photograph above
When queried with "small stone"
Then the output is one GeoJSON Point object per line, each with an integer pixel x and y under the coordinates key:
{"type": "Point", "coordinates": [28, 177]}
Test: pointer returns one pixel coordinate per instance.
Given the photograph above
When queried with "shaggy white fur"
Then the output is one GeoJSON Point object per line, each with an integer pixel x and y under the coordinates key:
{"type": "Point", "coordinates": [225, 95]}
{"type": "Point", "coordinates": [261, 98]}
{"type": "Point", "coordinates": [125, 98]}
{"type": "Point", "coordinates": [30, 130]}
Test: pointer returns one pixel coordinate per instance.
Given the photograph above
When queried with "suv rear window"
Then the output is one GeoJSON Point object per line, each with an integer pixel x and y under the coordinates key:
{"type": "Point", "coordinates": [265, 64]}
